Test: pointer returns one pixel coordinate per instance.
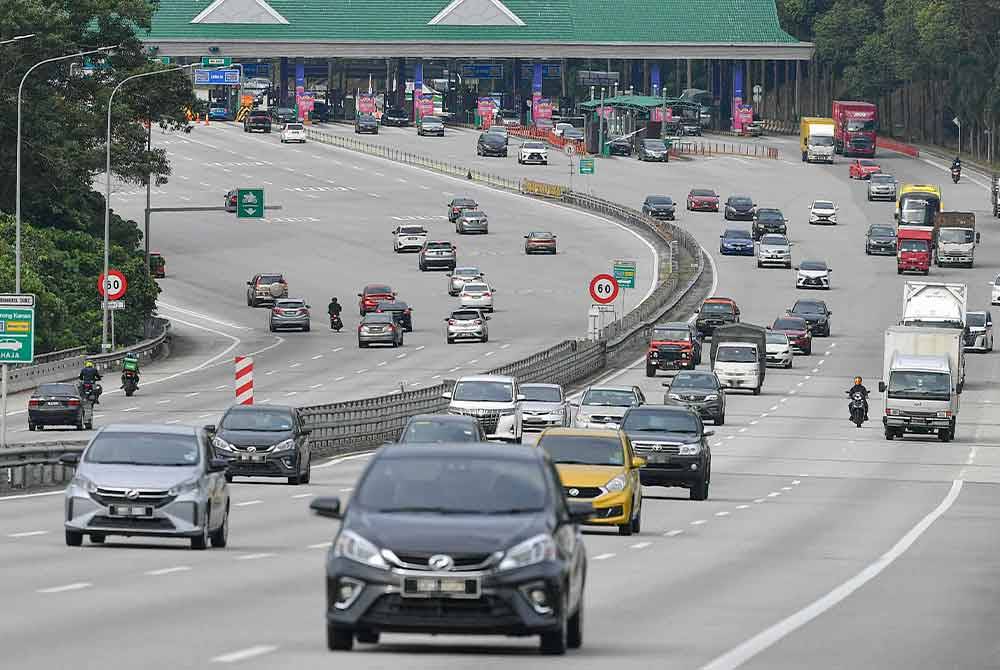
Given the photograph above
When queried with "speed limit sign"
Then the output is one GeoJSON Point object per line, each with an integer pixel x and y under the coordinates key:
{"type": "Point", "coordinates": [603, 289]}
{"type": "Point", "coordinates": [113, 286]}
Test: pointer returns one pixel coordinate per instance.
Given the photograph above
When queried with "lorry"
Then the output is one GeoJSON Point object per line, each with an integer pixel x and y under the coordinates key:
{"type": "Point", "coordinates": [739, 355]}
{"type": "Point", "coordinates": [918, 204]}
{"type": "Point", "coordinates": [955, 238]}
{"type": "Point", "coordinates": [855, 125]}
{"type": "Point", "coordinates": [934, 304]}
{"type": "Point", "coordinates": [913, 249]}
{"type": "Point", "coordinates": [922, 378]}
{"type": "Point", "coordinates": [816, 139]}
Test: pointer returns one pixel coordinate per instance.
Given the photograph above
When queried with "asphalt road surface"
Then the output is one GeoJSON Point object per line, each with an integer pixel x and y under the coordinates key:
{"type": "Point", "coordinates": [821, 544]}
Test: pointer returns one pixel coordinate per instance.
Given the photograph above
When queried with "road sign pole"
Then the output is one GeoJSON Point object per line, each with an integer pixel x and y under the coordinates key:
{"type": "Point", "coordinates": [3, 409]}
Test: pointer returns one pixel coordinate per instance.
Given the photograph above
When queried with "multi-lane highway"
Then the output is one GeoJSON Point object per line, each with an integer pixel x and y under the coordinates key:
{"type": "Point", "coordinates": [821, 544]}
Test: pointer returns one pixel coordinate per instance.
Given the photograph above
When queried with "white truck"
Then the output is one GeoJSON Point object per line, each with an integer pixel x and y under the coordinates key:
{"type": "Point", "coordinates": [956, 238]}
{"type": "Point", "coordinates": [934, 304]}
{"type": "Point", "coordinates": [922, 377]}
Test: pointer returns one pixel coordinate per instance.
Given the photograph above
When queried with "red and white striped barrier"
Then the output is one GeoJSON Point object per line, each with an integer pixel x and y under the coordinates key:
{"type": "Point", "coordinates": [244, 380]}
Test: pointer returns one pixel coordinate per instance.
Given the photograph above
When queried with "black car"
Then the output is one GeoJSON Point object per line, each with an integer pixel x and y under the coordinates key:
{"type": "Point", "coordinates": [620, 146]}
{"type": "Point", "coordinates": [59, 405]}
{"type": "Point", "coordinates": [653, 150]}
{"type": "Point", "coordinates": [816, 314]}
{"type": "Point", "coordinates": [395, 116]}
{"type": "Point", "coordinates": [716, 312]}
{"type": "Point", "coordinates": [491, 144]}
{"type": "Point", "coordinates": [283, 115]}
{"type": "Point", "coordinates": [457, 539]}
{"type": "Point", "coordinates": [366, 123]}
{"type": "Point", "coordinates": [674, 443]}
{"type": "Point", "coordinates": [769, 220]}
{"type": "Point", "coordinates": [880, 239]}
{"type": "Point", "coordinates": [257, 119]}
{"type": "Point", "coordinates": [321, 112]}
{"type": "Point", "coordinates": [258, 441]}
{"type": "Point", "coordinates": [402, 312]}
{"type": "Point", "coordinates": [440, 429]}
{"type": "Point", "coordinates": [739, 208]}
{"type": "Point", "coordinates": [659, 207]}
{"type": "Point", "coordinates": [701, 391]}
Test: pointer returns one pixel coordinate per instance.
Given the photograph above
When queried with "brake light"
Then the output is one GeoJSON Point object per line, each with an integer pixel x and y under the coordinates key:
{"type": "Point", "coordinates": [478, 322]}
{"type": "Point", "coordinates": [392, 328]}
{"type": "Point", "coordinates": [34, 402]}
{"type": "Point", "coordinates": [487, 294]}
{"type": "Point", "coordinates": [451, 322]}
{"type": "Point", "coordinates": [73, 402]}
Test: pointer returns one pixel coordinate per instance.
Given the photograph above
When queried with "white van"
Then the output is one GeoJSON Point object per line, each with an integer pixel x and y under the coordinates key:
{"type": "Point", "coordinates": [495, 401]}
{"type": "Point", "coordinates": [737, 365]}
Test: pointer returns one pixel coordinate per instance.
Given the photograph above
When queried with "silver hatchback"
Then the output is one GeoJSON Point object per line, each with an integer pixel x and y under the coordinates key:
{"type": "Point", "coordinates": [472, 221]}
{"type": "Point", "coordinates": [148, 480]}
{"type": "Point", "coordinates": [459, 277]}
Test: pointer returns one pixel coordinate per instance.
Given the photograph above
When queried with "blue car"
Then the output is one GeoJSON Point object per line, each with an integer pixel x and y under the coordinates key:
{"type": "Point", "coordinates": [218, 114]}
{"type": "Point", "coordinates": [736, 241]}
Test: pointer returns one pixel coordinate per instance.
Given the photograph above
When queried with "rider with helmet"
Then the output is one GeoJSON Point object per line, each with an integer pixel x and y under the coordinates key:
{"type": "Point", "coordinates": [90, 375]}
{"type": "Point", "coordinates": [860, 388]}
{"type": "Point", "coordinates": [130, 364]}
{"type": "Point", "coordinates": [334, 309]}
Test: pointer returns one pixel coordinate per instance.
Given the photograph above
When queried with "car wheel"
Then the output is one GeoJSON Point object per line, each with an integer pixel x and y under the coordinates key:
{"type": "Point", "coordinates": [756, 390]}
{"type": "Point", "coordinates": [307, 327]}
{"type": "Point", "coordinates": [574, 629]}
{"type": "Point", "coordinates": [944, 435]}
{"type": "Point", "coordinates": [650, 371]}
{"type": "Point", "coordinates": [890, 434]}
{"type": "Point", "coordinates": [308, 475]}
{"type": "Point", "coordinates": [788, 266]}
{"type": "Point", "coordinates": [486, 338]}
{"type": "Point", "coordinates": [368, 636]}
{"type": "Point", "coordinates": [74, 538]}
{"type": "Point", "coordinates": [97, 538]}
{"type": "Point", "coordinates": [200, 542]}
{"type": "Point", "coordinates": [79, 424]}
{"type": "Point", "coordinates": [868, 250]}
{"type": "Point", "coordinates": [637, 520]}
{"type": "Point", "coordinates": [625, 529]}
{"type": "Point", "coordinates": [808, 350]}
{"type": "Point", "coordinates": [449, 340]}
{"type": "Point", "coordinates": [89, 425]}
{"type": "Point", "coordinates": [720, 420]}
{"type": "Point", "coordinates": [759, 264]}
{"type": "Point", "coordinates": [31, 426]}
{"type": "Point", "coordinates": [220, 536]}
{"type": "Point", "coordinates": [339, 639]}
{"type": "Point", "coordinates": [699, 491]}
{"type": "Point", "coordinates": [229, 478]}
{"type": "Point", "coordinates": [554, 642]}
{"type": "Point", "coordinates": [788, 366]}
{"type": "Point", "coordinates": [362, 345]}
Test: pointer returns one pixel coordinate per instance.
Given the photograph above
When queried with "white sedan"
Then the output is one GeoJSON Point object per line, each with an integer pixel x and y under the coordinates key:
{"type": "Point", "coordinates": [293, 132]}
{"type": "Point", "coordinates": [779, 350]}
{"type": "Point", "coordinates": [533, 152]}
{"type": "Point", "coordinates": [813, 274]}
{"type": "Point", "coordinates": [823, 212]}
{"type": "Point", "coordinates": [477, 295]}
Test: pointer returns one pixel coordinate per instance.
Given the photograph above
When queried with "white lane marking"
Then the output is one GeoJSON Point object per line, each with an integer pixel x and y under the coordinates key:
{"type": "Point", "coordinates": [295, 365]}
{"type": "Point", "coordinates": [374, 195]}
{"type": "Point", "coordinates": [269, 372]}
{"type": "Point", "coordinates": [769, 636]}
{"type": "Point", "coordinates": [742, 430]}
{"type": "Point", "coordinates": [422, 346]}
{"type": "Point", "coordinates": [641, 545]}
{"type": "Point", "coordinates": [972, 456]}
{"type": "Point", "coordinates": [821, 362]}
{"type": "Point", "coordinates": [291, 393]}
{"type": "Point", "coordinates": [382, 363]}
{"type": "Point", "coordinates": [347, 489]}
{"type": "Point", "coordinates": [320, 545]}
{"type": "Point", "coordinates": [191, 395]}
{"type": "Point", "coordinates": [833, 344]}
{"type": "Point", "coordinates": [173, 421]}
{"type": "Point", "coordinates": [815, 370]}
{"type": "Point", "coordinates": [473, 361]}
{"type": "Point", "coordinates": [754, 422]}
{"type": "Point", "coordinates": [796, 482]}
{"type": "Point", "coordinates": [203, 416]}
{"type": "Point", "coordinates": [800, 383]}
{"type": "Point", "coordinates": [131, 409]}
{"type": "Point", "coordinates": [436, 377]}
{"type": "Point", "coordinates": [730, 437]}
{"type": "Point", "coordinates": [315, 386]}
{"type": "Point", "coordinates": [221, 386]}
{"type": "Point", "coordinates": [774, 409]}
{"type": "Point", "coordinates": [167, 571]}
{"type": "Point", "coordinates": [340, 379]}
{"type": "Point", "coordinates": [361, 371]}
{"type": "Point", "coordinates": [765, 414]}
{"type": "Point", "coordinates": [163, 402]}
{"type": "Point", "coordinates": [489, 353]}
{"type": "Point", "coordinates": [718, 444]}
{"type": "Point", "coordinates": [254, 557]}
{"type": "Point", "coordinates": [378, 174]}
{"type": "Point", "coordinates": [29, 533]}
{"type": "Point", "coordinates": [808, 377]}
{"type": "Point", "coordinates": [302, 495]}
{"type": "Point", "coordinates": [66, 587]}
{"type": "Point", "coordinates": [792, 392]}
{"type": "Point", "coordinates": [742, 506]}
{"type": "Point", "coordinates": [244, 654]}
{"type": "Point", "coordinates": [336, 349]}
{"type": "Point", "coordinates": [673, 533]}
{"type": "Point", "coordinates": [504, 346]}
{"type": "Point", "coordinates": [247, 503]}
{"type": "Point", "coordinates": [783, 400]}
{"type": "Point", "coordinates": [455, 369]}
{"type": "Point", "coordinates": [317, 357]}
{"type": "Point", "coordinates": [401, 356]}
{"type": "Point", "coordinates": [774, 494]}
{"type": "Point", "coordinates": [786, 488]}
{"type": "Point", "coordinates": [699, 522]}
{"type": "Point", "coordinates": [758, 500]}
{"type": "Point", "coordinates": [602, 557]}
{"type": "Point", "coordinates": [723, 513]}
{"type": "Point", "coordinates": [337, 460]}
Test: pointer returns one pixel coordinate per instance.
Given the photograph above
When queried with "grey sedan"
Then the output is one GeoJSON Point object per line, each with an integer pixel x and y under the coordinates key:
{"type": "Point", "coordinates": [472, 221]}
{"type": "Point", "coordinates": [701, 391]}
{"type": "Point", "coordinates": [264, 441]}
{"type": "Point", "coordinates": [289, 313]}
{"type": "Point", "coordinates": [441, 428]}
{"type": "Point", "coordinates": [430, 125]}
{"type": "Point", "coordinates": [774, 250]}
{"type": "Point", "coordinates": [380, 328]}
{"type": "Point", "coordinates": [148, 480]}
{"type": "Point", "coordinates": [544, 405]}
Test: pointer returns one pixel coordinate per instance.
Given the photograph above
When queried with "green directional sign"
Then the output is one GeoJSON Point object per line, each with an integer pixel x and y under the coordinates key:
{"type": "Point", "coordinates": [250, 203]}
{"type": "Point", "coordinates": [17, 334]}
{"type": "Point", "coordinates": [162, 60]}
{"type": "Point", "coordinates": [216, 60]}
{"type": "Point", "coordinates": [586, 166]}
{"type": "Point", "coordinates": [624, 273]}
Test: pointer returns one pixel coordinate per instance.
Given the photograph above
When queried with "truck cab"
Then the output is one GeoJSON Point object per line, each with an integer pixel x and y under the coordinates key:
{"type": "Point", "coordinates": [816, 139]}
{"type": "Point", "coordinates": [920, 396]}
{"type": "Point", "coordinates": [672, 346]}
{"type": "Point", "coordinates": [913, 249]}
{"type": "Point", "coordinates": [956, 238]}
{"type": "Point", "coordinates": [856, 126]}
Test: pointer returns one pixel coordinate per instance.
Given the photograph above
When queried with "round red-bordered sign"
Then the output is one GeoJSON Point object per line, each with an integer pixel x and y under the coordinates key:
{"type": "Point", "coordinates": [604, 289]}
{"type": "Point", "coordinates": [114, 287]}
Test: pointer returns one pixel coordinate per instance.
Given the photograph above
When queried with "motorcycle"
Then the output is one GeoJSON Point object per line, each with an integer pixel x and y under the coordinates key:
{"type": "Point", "coordinates": [335, 322]}
{"type": "Point", "coordinates": [956, 174]}
{"type": "Point", "coordinates": [130, 382]}
{"type": "Point", "coordinates": [857, 408]}
{"type": "Point", "coordinates": [92, 391]}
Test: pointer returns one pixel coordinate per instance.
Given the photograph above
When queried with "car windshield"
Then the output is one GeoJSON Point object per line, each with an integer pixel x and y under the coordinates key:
{"type": "Point", "coordinates": [661, 421]}
{"type": "Point", "coordinates": [789, 324]}
{"type": "Point", "coordinates": [883, 179]}
{"type": "Point", "coordinates": [654, 145]}
{"type": "Point", "coordinates": [956, 235]}
{"type": "Point", "coordinates": [882, 231]}
{"type": "Point", "coordinates": [609, 398]}
{"type": "Point", "coordinates": [774, 240]}
{"type": "Point", "coordinates": [700, 380]}
{"type": "Point", "coordinates": [384, 306]}
{"type": "Point", "coordinates": [974, 319]}
{"type": "Point", "coordinates": [378, 290]}
{"type": "Point", "coordinates": [703, 193]}
{"type": "Point", "coordinates": [378, 318]}
{"type": "Point", "coordinates": [270, 279]}
{"type": "Point", "coordinates": [671, 334]}
{"type": "Point", "coordinates": [412, 230]}
{"type": "Point", "coordinates": [812, 265]}
{"type": "Point", "coordinates": [769, 215]}
{"type": "Point", "coordinates": [534, 393]}
{"type": "Point", "coordinates": [806, 307]}
{"type": "Point", "coordinates": [868, 163]}
{"type": "Point", "coordinates": [717, 308]}
{"type": "Point", "coordinates": [533, 145]}
{"type": "Point", "coordinates": [366, 117]}
{"type": "Point", "coordinates": [738, 235]}
{"type": "Point", "coordinates": [395, 111]}
{"type": "Point", "coordinates": [776, 338]}
{"type": "Point", "coordinates": [736, 354]}
{"type": "Point", "coordinates": [861, 126]}
{"type": "Point", "coordinates": [821, 140]}
{"type": "Point", "coordinates": [257, 419]}
{"type": "Point", "coordinates": [56, 389]}
{"type": "Point", "coordinates": [447, 485]}
{"type": "Point", "coordinates": [135, 448]}
{"type": "Point", "coordinates": [541, 236]}
{"type": "Point", "coordinates": [741, 202]}
{"type": "Point", "coordinates": [294, 126]}
{"type": "Point", "coordinates": [483, 391]}
{"type": "Point", "coordinates": [918, 208]}
{"type": "Point", "coordinates": [913, 245]}
{"type": "Point", "coordinates": [258, 113]}
{"type": "Point", "coordinates": [473, 214]}
{"type": "Point", "coordinates": [822, 204]}
{"type": "Point", "coordinates": [584, 449]}
{"type": "Point", "coordinates": [431, 430]}
{"type": "Point", "coordinates": [920, 385]}
{"type": "Point", "coordinates": [466, 316]}
{"type": "Point", "coordinates": [285, 110]}
{"type": "Point", "coordinates": [464, 202]}
{"type": "Point", "coordinates": [660, 200]}
{"type": "Point", "coordinates": [496, 138]}
{"type": "Point", "coordinates": [476, 288]}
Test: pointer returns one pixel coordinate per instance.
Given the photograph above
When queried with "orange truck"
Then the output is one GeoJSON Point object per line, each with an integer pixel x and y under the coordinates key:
{"type": "Point", "coordinates": [672, 346]}
{"type": "Point", "coordinates": [913, 249]}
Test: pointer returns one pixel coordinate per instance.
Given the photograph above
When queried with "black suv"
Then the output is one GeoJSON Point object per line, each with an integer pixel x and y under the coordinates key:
{"type": "Point", "coordinates": [257, 119]}
{"type": "Point", "coordinates": [659, 207]}
{"type": "Point", "coordinates": [769, 220]}
{"type": "Point", "coordinates": [739, 208]}
{"type": "Point", "coordinates": [674, 443]}
{"type": "Point", "coordinates": [491, 144]}
{"type": "Point", "coordinates": [258, 441]}
{"type": "Point", "coordinates": [457, 539]}
{"type": "Point", "coordinates": [395, 116]}
{"type": "Point", "coordinates": [366, 123]}
{"type": "Point", "coordinates": [816, 314]}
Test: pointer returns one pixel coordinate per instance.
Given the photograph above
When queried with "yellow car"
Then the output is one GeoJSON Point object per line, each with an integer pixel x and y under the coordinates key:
{"type": "Point", "coordinates": [600, 466]}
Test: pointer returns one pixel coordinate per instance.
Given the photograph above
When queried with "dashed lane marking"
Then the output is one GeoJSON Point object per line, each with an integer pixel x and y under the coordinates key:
{"type": "Point", "coordinates": [76, 586]}
{"type": "Point", "coordinates": [29, 533]}
{"type": "Point", "coordinates": [641, 545]}
{"type": "Point", "coordinates": [245, 654]}
{"type": "Point", "coordinates": [247, 503]}
{"type": "Point", "coordinates": [722, 513]}
{"type": "Point", "coordinates": [699, 522]}
{"type": "Point", "coordinates": [774, 494]}
{"type": "Point", "coordinates": [602, 557]}
{"type": "Point", "coordinates": [255, 557]}
{"type": "Point", "coordinates": [167, 571]}
{"type": "Point", "coordinates": [320, 545]}
{"type": "Point", "coordinates": [315, 386]}
{"type": "Point", "coordinates": [302, 495]}
{"type": "Point", "coordinates": [673, 533]}
{"type": "Point", "coordinates": [742, 506]}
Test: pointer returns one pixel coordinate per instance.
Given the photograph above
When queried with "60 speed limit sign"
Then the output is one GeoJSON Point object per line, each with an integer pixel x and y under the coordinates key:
{"type": "Point", "coordinates": [603, 289]}
{"type": "Point", "coordinates": [113, 287]}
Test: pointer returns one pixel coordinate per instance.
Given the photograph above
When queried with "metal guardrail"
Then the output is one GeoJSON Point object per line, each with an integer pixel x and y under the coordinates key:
{"type": "Point", "coordinates": [57, 356]}
{"type": "Point", "coordinates": [37, 464]}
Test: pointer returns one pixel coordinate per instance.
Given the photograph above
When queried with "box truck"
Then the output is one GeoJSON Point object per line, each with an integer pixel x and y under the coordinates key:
{"type": "Point", "coordinates": [739, 355]}
{"type": "Point", "coordinates": [855, 125]}
{"type": "Point", "coordinates": [956, 237]}
{"type": "Point", "coordinates": [816, 139]}
{"type": "Point", "coordinates": [934, 304]}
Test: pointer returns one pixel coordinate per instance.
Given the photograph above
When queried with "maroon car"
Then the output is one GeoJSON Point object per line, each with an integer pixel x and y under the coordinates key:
{"type": "Point", "coordinates": [372, 295]}
{"type": "Point", "coordinates": [797, 331]}
{"type": "Point", "coordinates": [703, 200]}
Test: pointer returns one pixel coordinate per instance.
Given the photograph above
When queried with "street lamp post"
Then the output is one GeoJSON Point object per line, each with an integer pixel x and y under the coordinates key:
{"type": "Point", "coordinates": [17, 186]}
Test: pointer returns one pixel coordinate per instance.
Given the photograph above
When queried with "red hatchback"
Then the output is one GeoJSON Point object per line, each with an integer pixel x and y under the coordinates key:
{"type": "Point", "coordinates": [372, 295]}
{"type": "Point", "coordinates": [797, 331]}
{"type": "Point", "coordinates": [864, 168]}
{"type": "Point", "coordinates": [703, 200]}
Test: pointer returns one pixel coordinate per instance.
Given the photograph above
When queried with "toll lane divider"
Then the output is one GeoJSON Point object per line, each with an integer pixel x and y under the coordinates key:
{"type": "Point", "coordinates": [358, 425]}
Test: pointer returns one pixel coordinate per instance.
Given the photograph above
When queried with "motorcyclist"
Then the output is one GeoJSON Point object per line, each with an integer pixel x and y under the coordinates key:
{"type": "Point", "coordinates": [130, 364]}
{"type": "Point", "coordinates": [333, 309]}
{"type": "Point", "coordinates": [860, 388]}
{"type": "Point", "coordinates": [90, 375]}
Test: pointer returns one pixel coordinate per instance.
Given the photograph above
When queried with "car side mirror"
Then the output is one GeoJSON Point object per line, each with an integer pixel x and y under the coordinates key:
{"type": "Point", "coordinates": [977, 238]}
{"type": "Point", "coordinates": [525, 237]}
{"type": "Point", "coordinates": [881, 387]}
{"type": "Point", "coordinates": [487, 317]}
{"type": "Point", "coordinates": [709, 433]}
{"type": "Point", "coordinates": [638, 462]}
{"type": "Point", "coordinates": [359, 295]}
{"type": "Point", "coordinates": [580, 511]}
{"type": "Point", "coordinates": [249, 283]}
{"type": "Point", "coordinates": [446, 395]}
{"type": "Point", "coordinates": [796, 267]}
{"type": "Point", "coordinates": [218, 465]}
{"type": "Point", "coordinates": [69, 459]}
{"type": "Point", "coordinates": [210, 428]}
{"type": "Point", "coordinates": [306, 431]}
{"type": "Point", "coordinates": [327, 506]}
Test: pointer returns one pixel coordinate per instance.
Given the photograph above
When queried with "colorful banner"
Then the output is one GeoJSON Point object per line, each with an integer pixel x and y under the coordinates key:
{"type": "Point", "coordinates": [366, 104]}
{"type": "Point", "coordinates": [542, 111]}
{"type": "Point", "coordinates": [300, 87]}
{"type": "Point", "coordinates": [656, 114]}
{"type": "Point", "coordinates": [418, 88]}
{"type": "Point", "coordinates": [744, 117]}
{"type": "Point", "coordinates": [485, 109]}
{"type": "Point", "coordinates": [427, 104]}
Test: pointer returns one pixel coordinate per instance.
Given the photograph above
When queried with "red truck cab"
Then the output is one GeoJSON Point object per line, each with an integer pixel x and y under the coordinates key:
{"type": "Point", "coordinates": [672, 346]}
{"type": "Point", "coordinates": [854, 128]}
{"type": "Point", "coordinates": [913, 249]}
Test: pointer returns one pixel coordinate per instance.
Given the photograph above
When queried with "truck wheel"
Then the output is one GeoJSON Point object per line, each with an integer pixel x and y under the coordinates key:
{"type": "Point", "coordinates": [756, 390]}
{"type": "Point", "coordinates": [650, 371]}
{"type": "Point", "coordinates": [944, 434]}
{"type": "Point", "coordinates": [889, 434]}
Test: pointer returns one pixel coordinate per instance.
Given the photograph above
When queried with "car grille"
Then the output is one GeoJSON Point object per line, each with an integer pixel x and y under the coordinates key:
{"type": "Point", "coordinates": [259, 448]}
{"type": "Point", "coordinates": [608, 512]}
{"type": "Point", "coordinates": [132, 523]}
{"type": "Point", "coordinates": [116, 496]}
{"type": "Point", "coordinates": [669, 353]}
{"type": "Point", "coordinates": [658, 447]}
{"type": "Point", "coordinates": [533, 156]}
{"type": "Point", "coordinates": [691, 397]}
{"type": "Point", "coordinates": [484, 613]}
{"type": "Point", "coordinates": [603, 418]}
{"type": "Point", "coordinates": [970, 338]}
{"type": "Point", "coordinates": [487, 418]}
{"type": "Point", "coordinates": [583, 491]}
{"type": "Point", "coordinates": [463, 562]}
{"type": "Point", "coordinates": [925, 415]}
{"type": "Point", "coordinates": [812, 281]}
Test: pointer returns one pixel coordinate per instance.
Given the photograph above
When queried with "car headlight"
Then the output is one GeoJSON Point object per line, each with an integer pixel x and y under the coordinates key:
{"type": "Point", "coordinates": [617, 483]}
{"type": "Point", "coordinates": [690, 449]}
{"type": "Point", "coordinates": [221, 444]}
{"type": "Point", "coordinates": [580, 416]}
{"type": "Point", "coordinates": [185, 487]}
{"type": "Point", "coordinates": [674, 396]}
{"type": "Point", "coordinates": [285, 445]}
{"type": "Point", "coordinates": [712, 396]}
{"type": "Point", "coordinates": [352, 546]}
{"type": "Point", "coordinates": [533, 550]}
{"type": "Point", "coordinates": [85, 484]}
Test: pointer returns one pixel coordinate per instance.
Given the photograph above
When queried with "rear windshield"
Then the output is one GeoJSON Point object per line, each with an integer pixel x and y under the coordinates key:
{"type": "Point", "coordinates": [913, 245]}
{"type": "Point", "coordinates": [609, 398]}
{"type": "Point", "coordinates": [466, 316]}
{"type": "Point", "coordinates": [271, 279]}
{"type": "Point", "coordinates": [476, 288]}
{"type": "Point", "coordinates": [294, 126]}
{"type": "Point", "coordinates": [439, 245]}
{"type": "Point", "coordinates": [808, 307]}
{"type": "Point", "coordinates": [56, 389]}
{"type": "Point", "coordinates": [431, 119]}
{"type": "Point", "coordinates": [661, 421]}
{"type": "Point", "coordinates": [289, 304]}
{"type": "Point", "coordinates": [823, 204]}
{"type": "Point", "coordinates": [773, 239]}
{"type": "Point", "coordinates": [466, 272]}
{"type": "Point", "coordinates": [789, 324]}
{"type": "Point", "coordinates": [412, 230]}
{"type": "Point", "coordinates": [769, 215]}
{"type": "Point", "coordinates": [655, 145]}
{"type": "Point", "coordinates": [378, 318]}
{"type": "Point", "coordinates": [883, 231]}
{"type": "Point", "coordinates": [464, 202]}
{"type": "Point", "coordinates": [741, 201]}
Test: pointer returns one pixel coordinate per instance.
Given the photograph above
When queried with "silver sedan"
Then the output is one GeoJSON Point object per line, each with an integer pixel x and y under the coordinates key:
{"type": "Point", "coordinates": [544, 405]}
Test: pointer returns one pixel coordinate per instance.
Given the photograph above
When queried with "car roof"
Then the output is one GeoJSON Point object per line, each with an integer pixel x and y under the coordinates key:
{"type": "Point", "coordinates": [379, 286]}
{"type": "Point", "coordinates": [774, 238]}
{"type": "Point", "coordinates": [391, 302]}
{"type": "Point", "coordinates": [583, 432]}
{"type": "Point", "coordinates": [254, 408]}
{"type": "Point", "coordinates": [810, 301]}
{"type": "Point", "coordinates": [486, 378]}
{"type": "Point", "coordinates": [768, 210]}
{"type": "Point", "coordinates": [659, 197]}
{"type": "Point", "coordinates": [157, 428]}
{"type": "Point", "coordinates": [538, 385]}
{"type": "Point", "coordinates": [670, 408]}
{"type": "Point", "coordinates": [672, 324]}
{"type": "Point", "coordinates": [717, 298]}
{"type": "Point", "coordinates": [462, 451]}
{"type": "Point", "coordinates": [444, 418]}
{"type": "Point", "coordinates": [627, 389]}
{"type": "Point", "coordinates": [790, 317]}
{"type": "Point", "coordinates": [467, 268]}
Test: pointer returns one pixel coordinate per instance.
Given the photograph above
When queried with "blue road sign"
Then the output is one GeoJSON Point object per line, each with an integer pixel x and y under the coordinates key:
{"type": "Point", "coordinates": [482, 70]}
{"type": "Point", "coordinates": [217, 77]}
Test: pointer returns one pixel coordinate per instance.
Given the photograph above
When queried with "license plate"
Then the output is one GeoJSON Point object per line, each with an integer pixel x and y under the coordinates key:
{"type": "Point", "coordinates": [658, 458]}
{"type": "Point", "coordinates": [130, 510]}
{"type": "Point", "coordinates": [455, 587]}
{"type": "Point", "coordinates": [255, 458]}
{"type": "Point", "coordinates": [53, 403]}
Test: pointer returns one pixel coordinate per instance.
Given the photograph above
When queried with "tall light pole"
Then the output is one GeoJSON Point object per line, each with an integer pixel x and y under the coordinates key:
{"type": "Point", "coordinates": [17, 186]}
{"type": "Point", "coordinates": [17, 39]}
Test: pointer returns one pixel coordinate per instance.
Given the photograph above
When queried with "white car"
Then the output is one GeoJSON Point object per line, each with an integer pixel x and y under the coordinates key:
{"type": "Point", "coordinates": [823, 212]}
{"type": "Point", "coordinates": [980, 335]}
{"type": "Point", "coordinates": [458, 277]}
{"type": "Point", "coordinates": [408, 238]}
{"type": "Point", "coordinates": [813, 274]}
{"type": "Point", "coordinates": [604, 406]}
{"type": "Point", "coordinates": [293, 132]}
{"type": "Point", "coordinates": [995, 296]}
{"type": "Point", "coordinates": [533, 152]}
{"type": "Point", "coordinates": [477, 295]}
{"type": "Point", "coordinates": [779, 350]}
{"type": "Point", "coordinates": [467, 324]}
{"type": "Point", "coordinates": [560, 128]}
{"type": "Point", "coordinates": [494, 400]}
{"type": "Point", "coordinates": [774, 249]}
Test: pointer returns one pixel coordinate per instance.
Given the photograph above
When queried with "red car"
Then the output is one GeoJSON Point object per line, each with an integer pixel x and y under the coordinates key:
{"type": "Point", "coordinates": [703, 200]}
{"type": "Point", "coordinates": [372, 295]}
{"type": "Point", "coordinates": [797, 330]}
{"type": "Point", "coordinates": [864, 168]}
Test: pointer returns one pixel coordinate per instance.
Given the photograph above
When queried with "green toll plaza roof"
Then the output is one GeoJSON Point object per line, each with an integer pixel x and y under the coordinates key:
{"type": "Point", "coordinates": [727, 29]}
{"type": "Point", "coordinates": [639, 102]}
